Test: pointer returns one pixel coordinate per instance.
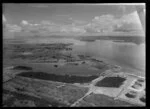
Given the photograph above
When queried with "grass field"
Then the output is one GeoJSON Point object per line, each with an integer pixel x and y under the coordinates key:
{"type": "Point", "coordinates": [103, 100]}
{"type": "Point", "coordinates": [49, 91]}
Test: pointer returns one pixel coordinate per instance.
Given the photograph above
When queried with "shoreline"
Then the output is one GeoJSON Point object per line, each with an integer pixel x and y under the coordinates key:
{"type": "Point", "coordinates": [124, 67]}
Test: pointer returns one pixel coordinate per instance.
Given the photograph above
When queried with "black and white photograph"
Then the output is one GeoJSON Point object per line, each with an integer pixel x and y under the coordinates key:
{"type": "Point", "coordinates": [74, 54]}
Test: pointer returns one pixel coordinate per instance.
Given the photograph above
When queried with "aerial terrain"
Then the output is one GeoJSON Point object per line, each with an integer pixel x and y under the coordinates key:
{"type": "Point", "coordinates": [73, 55]}
{"type": "Point", "coordinates": [38, 75]}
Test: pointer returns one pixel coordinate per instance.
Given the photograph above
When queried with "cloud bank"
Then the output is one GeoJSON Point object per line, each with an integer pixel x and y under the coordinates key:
{"type": "Point", "coordinates": [99, 24]}
{"type": "Point", "coordinates": [4, 19]}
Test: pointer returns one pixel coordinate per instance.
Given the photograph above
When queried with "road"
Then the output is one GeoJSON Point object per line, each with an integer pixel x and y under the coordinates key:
{"type": "Point", "coordinates": [91, 87]}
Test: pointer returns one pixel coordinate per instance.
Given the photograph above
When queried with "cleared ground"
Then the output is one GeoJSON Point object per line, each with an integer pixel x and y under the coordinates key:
{"type": "Point", "coordinates": [61, 93]}
{"type": "Point", "coordinates": [102, 100]}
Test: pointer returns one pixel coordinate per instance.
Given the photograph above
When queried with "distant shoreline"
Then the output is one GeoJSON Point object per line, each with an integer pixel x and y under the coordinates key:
{"type": "Point", "coordinates": [133, 39]}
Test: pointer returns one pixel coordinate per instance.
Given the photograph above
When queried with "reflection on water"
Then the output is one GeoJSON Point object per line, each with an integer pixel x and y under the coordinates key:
{"type": "Point", "coordinates": [128, 54]}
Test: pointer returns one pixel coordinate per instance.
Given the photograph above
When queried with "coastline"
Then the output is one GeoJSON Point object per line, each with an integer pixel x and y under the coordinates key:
{"type": "Point", "coordinates": [124, 67]}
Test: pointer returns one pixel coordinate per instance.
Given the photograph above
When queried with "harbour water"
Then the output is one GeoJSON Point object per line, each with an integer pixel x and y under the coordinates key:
{"type": "Point", "coordinates": [122, 53]}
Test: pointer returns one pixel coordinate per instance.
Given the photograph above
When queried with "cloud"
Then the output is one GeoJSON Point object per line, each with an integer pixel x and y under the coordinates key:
{"type": "Point", "coordinates": [72, 29]}
{"type": "Point", "coordinates": [108, 23]}
{"type": "Point", "coordinates": [102, 23]}
{"type": "Point", "coordinates": [24, 22]}
{"type": "Point", "coordinates": [144, 10]}
{"type": "Point", "coordinates": [79, 22]}
{"type": "Point", "coordinates": [44, 26]}
{"type": "Point", "coordinates": [4, 19]}
{"type": "Point", "coordinates": [28, 24]}
{"type": "Point", "coordinates": [131, 18]}
{"type": "Point", "coordinates": [102, 18]}
{"type": "Point", "coordinates": [13, 28]}
{"type": "Point", "coordinates": [46, 22]}
{"type": "Point", "coordinates": [70, 26]}
{"type": "Point", "coordinates": [30, 27]}
{"type": "Point", "coordinates": [99, 24]}
{"type": "Point", "coordinates": [35, 24]}
{"type": "Point", "coordinates": [130, 22]}
{"type": "Point", "coordinates": [65, 28]}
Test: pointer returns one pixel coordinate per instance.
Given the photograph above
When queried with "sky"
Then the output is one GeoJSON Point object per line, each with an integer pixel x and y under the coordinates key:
{"type": "Point", "coordinates": [70, 19]}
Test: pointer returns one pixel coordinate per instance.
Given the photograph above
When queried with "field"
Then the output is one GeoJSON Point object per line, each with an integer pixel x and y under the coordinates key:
{"type": "Point", "coordinates": [16, 97]}
{"type": "Point", "coordinates": [111, 82]}
{"type": "Point", "coordinates": [99, 100]}
{"type": "Point", "coordinates": [58, 78]}
{"type": "Point", "coordinates": [62, 94]}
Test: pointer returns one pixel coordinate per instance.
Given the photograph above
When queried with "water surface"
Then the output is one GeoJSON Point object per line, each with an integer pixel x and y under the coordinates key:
{"type": "Point", "coordinates": [123, 53]}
